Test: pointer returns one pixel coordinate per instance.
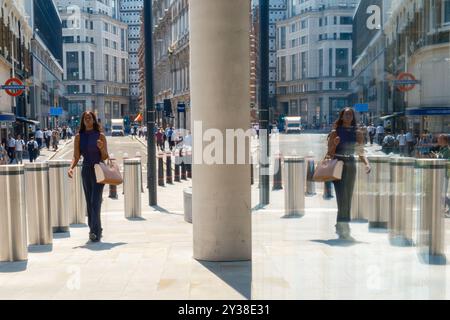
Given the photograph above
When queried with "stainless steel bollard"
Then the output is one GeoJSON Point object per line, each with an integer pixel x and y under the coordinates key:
{"type": "Point", "coordinates": [401, 201]}
{"type": "Point", "coordinates": [310, 184]}
{"type": "Point", "coordinates": [358, 209]}
{"type": "Point", "coordinates": [277, 175]}
{"type": "Point", "coordinates": [79, 207]}
{"type": "Point", "coordinates": [378, 195]}
{"type": "Point", "coordinates": [431, 175]}
{"type": "Point", "coordinates": [13, 223]}
{"type": "Point", "coordinates": [132, 188]}
{"type": "Point", "coordinates": [60, 209]}
{"type": "Point", "coordinates": [37, 201]}
{"type": "Point", "coordinates": [354, 212]}
{"type": "Point", "coordinates": [187, 197]}
{"type": "Point", "coordinates": [294, 196]}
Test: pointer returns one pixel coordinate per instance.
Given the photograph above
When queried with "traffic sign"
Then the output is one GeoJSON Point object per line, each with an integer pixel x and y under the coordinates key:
{"type": "Point", "coordinates": [406, 82]}
{"type": "Point", "coordinates": [181, 107]}
{"type": "Point", "coordinates": [14, 87]}
{"type": "Point", "coordinates": [362, 107]}
{"type": "Point", "coordinates": [56, 111]}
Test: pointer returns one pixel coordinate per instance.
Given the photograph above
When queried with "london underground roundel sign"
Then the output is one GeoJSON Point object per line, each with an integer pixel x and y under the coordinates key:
{"type": "Point", "coordinates": [406, 81]}
{"type": "Point", "coordinates": [14, 87]}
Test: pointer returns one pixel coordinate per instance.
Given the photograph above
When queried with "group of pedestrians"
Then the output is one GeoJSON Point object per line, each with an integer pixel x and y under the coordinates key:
{"type": "Point", "coordinates": [166, 135]}
{"type": "Point", "coordinates": [13, 149]}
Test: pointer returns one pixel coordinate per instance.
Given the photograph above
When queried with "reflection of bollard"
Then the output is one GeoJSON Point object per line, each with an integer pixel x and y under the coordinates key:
{"type": "Point", "coordinates": [277, 174]}
{"type": "Point", "coordinates": [113, 189]}
{"type": "Point", "coordinates": [161, 169]}
{"type": "Point", "coordinates": [358, 210]}
{"type": "Point", "coordinates": [328, 190]}
{"type": "Point", "coordinates": [401, 200]}
{"type": "Point", "coordinates": [124, 157]}
{"type": "Point", "coordinates": [363, 185]}
{"type": "Point", "coordinates": [431, 175]}
{"type": "Point", "coordinates": [183, 165]}
{"type": "Point", "coordinates": [37, 204]}
{"type": "Point", "coordinates": [59, 209]}
{"type": "Point", "coordinates": [252, 173]}
{"type": "Point", "coordinates": [378, 195]}
{"type": "Point", "coordinates": [78, 210]}
{"type": "Point", "coordinates": [169, 167]}
{"type": "Point", "coordinates": [294, 196]}
{"type": "Point", "coordinates": [177, 172]}
{"type": "Point", "coordinates": [189, 164]}
{"type": "Point", "coordinates": [131, 187]}
{"type": "Point", "coordinates": [310, 184]}
{"type": "Point", "coordinates": [13, 223]}
{"type": "Point", "coordinates": [138, 156]}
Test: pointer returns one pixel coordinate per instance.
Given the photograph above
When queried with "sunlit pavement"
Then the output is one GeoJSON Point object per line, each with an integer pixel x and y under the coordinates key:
{"type": "Point", "coordinates": [151, 258]}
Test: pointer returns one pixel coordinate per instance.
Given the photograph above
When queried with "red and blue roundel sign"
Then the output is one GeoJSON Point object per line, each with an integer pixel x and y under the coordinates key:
{"type": "Point", "coordinates": [14, 87]}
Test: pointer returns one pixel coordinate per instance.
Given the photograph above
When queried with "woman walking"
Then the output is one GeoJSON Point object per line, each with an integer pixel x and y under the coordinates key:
{"type": "Point", "coordinates": [344, 143]}
{"type": "Point", "coordinates": [90, 143]}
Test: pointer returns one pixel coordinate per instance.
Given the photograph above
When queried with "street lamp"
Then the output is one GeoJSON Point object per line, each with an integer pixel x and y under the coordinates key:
{"type": "Point", "coordinates": [150, 108]}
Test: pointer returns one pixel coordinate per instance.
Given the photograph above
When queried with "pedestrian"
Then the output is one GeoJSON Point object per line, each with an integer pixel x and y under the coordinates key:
{"type": "Point", "coordinates": [402, 143]}
{"type": "Point", "coordinates": [47, 137]}
{"type": "Point", "coordinates": [345, 141]}
{"type": "Point", "coordinates": [145, 132]}
{"type": "Point", "coordinates": [160, 139]}
{"type": "Point", "coordinates": [20, 144]}
{"type": "Point", "coordinates": [39, 137]}
{"type": "Point", "coordinates": [410, 143]}
{"type": "Point", "coordinates": [372, 131]}
{"type": "Point", "coordinates": [32, 147]}
{"type": "Point", "coordinates": [170, 138]}
{"type": "Point", "coordinates": [55, 140]}
{"type": "Point", "coordinates": [90, 143]}
{"type": "Point", "coordinates": [3, 154]}
{"type": "Point", "coordinates": [388, 143]}
{"type": "Point", "coordinates": [380, 134]}
{"type": "Point", "coordinates": [11, 148]}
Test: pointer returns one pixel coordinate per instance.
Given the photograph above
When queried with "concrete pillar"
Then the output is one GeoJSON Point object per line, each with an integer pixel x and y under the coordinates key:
{"type": "Point", "coordinates": [220, 78]}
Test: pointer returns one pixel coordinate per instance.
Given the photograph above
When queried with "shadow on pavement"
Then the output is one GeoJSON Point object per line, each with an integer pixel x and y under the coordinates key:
{"type": "Point", "coordinates": [163, 210]}
{"type": "Point", "coordinates": [11, 267]}
{"type": "Point", "coordinates": [100, 246]}
{"type": "Point", "coordinates": [40, 248]}
{"type": "Point", "coordinates": [61, 235]}
{"type": "Point", "coordinates": [137, 219]}
{"type": "Point", "coordinates": [237, 275]}
{"type": "Point", "coordinates": [338, 243]}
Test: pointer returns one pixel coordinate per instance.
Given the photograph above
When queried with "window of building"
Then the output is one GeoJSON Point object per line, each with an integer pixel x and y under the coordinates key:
{"type": "Point", "coordinates": [346, 36]}
{"type": "Point", "coordinates": [72, 66]}
{"type": "Point", "coordinates": [283, 69]}
{"type": "Point", "coordinates": [107, 67]}
{"type": "Point", "coordinates": [447, 12]}
{"type": "Point", "coordinates": [92, 56]}
{"type": "Point", "coordinates": [304, 65]}
{"type": "Point", "coordinates": [294, 67]}
{"type": "Point", "coordinates": [73, 89]}
{"type": "Point", "coordinates": [346, 20]}
{"type": "Point", "coordinates": [341, 85]}
{"type": "Point", "coordinates": [83, 70]}
{"type": "Point", "coordinates": [342, 64]}
{"type": "Point", "coordinates": [320, 63]}
{"type": "Point", "coordinates": [115, 68]}
{"type": "Point", "coordinates": [282, 44]}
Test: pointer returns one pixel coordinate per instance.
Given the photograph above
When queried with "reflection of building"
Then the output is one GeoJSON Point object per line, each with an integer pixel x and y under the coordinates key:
{"type": "Point", "coordinates": [15, 61]}
{"type": "Point", "coordinates": [95, 53]}
{"type": "Point", "coordinates": [418, 42]}
{"type": "Point", "coordinates": [47, 89]}
{"type": "Point", "coordinates": [314, 60]}
{"type": "Point", "coordinates": [130, 13]}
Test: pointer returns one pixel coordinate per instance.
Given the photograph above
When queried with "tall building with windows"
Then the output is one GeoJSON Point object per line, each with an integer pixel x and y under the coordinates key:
{"type": "Point", "coordinates": [314, 59]}
{"type": "Point", "coordinates": [15, 61]}
{"type": "Point", "coordinates": [47, 89]}
{"type": "Point", "coordinates": [95, 55]}
{"type": "Point", "coordinates": [130, 13]}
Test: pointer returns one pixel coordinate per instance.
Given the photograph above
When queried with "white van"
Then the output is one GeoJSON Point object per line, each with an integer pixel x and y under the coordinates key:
{"type": "Point", "coordinates": [292, 124]}
{"type": "Point", "coordinates": [117, 127]}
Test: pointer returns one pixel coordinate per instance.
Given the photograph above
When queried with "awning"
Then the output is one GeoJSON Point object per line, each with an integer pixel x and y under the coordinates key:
{"type": "Point", "coordinates": [29, 121]}
{"type": "Point", "coordinates": [397, 114]}
{"type": "Point", "coordinates": [7, 117]}
{"type": "Point", "coordinates": [428, 111]}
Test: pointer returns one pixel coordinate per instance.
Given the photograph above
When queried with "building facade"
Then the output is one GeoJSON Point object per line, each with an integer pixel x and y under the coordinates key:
{"type": "Point", "coordinates": [130, 13]}
{"type": "Point", "coordinates": [47, 90]}
{"type": "Point", "coordinates": [95, 55]}
{"type": "Point", "coordinates": [15, 62]}
{"type": "Point", "coordinates": [314, 60]}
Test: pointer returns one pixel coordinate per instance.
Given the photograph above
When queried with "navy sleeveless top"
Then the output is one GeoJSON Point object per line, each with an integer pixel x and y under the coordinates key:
{"type": "Point", "coordinates": [347, 145]}
{"type": "Point", "coordinates": [88, 148]}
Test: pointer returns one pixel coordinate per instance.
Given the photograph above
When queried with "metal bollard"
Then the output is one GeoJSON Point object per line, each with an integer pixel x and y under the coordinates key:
{"type": "Point", "coordinates": [78, 199]}
{"type": "Point", "coordinates": [177, 172]}
{"type": "Point", "coordinates": [294, 196]}
{"type": "Point", "coordinates": [378, 195]}
{"type": "Point", "coordinates": [161, 169]}
{"type": "Point", "coordinates": [60, 211]}
{"type": "Point", "coordinates": [189, 164]}
{"type": "Point", "coordinates": [277, 175]}
{"type": "Point", "coordinates": [358, 209]}
{"type": "Point", "coordinates": [401, 201]}
{"type": "Point", "coordinates": [132, 185]}
{"type": "Point", "coordinates": [37, 204]}
{"type": "Point", "coordinates": [252, 173]}
{"type": "Point", "coordinates": [187, 196]}
{"type": "Point", "coordinates": [363, 185]}
{"type": "Point", "coordinates": [13, 223]}
{"type": "Point", "coordinates": [431, 175]}
{"type": "Point", "coordinates": [310, 184]}
{"type": "Point", "coordinates": [183, 165]}
{"type": "Point", "coordinates": [328, 190]}
{"type": "Point", "coordinates": [169, 167]}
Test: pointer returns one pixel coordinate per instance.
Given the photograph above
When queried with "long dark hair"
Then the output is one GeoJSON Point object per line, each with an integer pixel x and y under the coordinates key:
{"type": "Point", "coordinates": [97, 126]}
{"type": "Point", "coordinates": [340, 121]}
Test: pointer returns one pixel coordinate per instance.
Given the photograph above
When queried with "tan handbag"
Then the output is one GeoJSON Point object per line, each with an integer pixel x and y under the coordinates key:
{"type": "Point", "coordinates": [329, 170]}
{"type": "Point", "coordinates": [108, 173]}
